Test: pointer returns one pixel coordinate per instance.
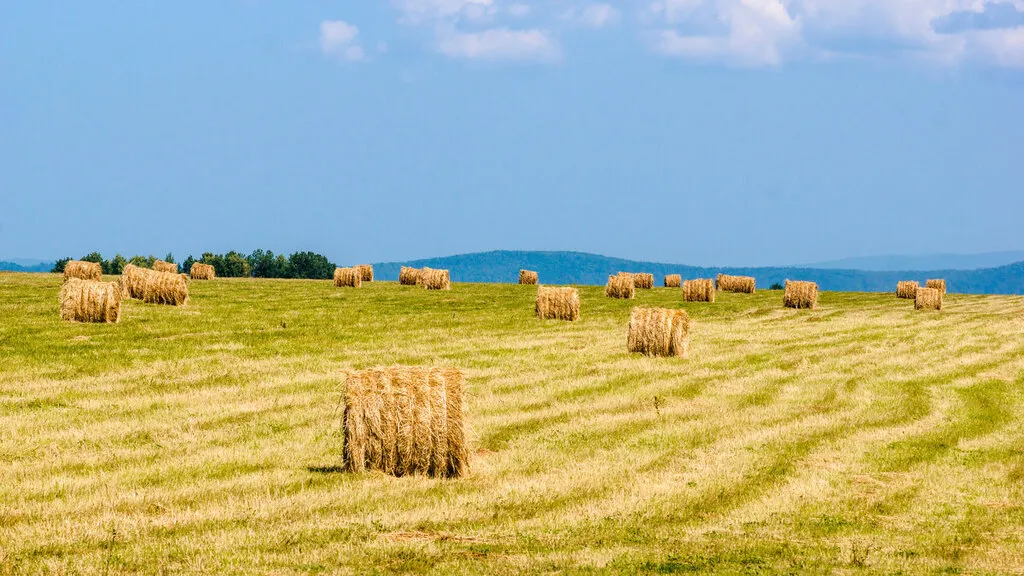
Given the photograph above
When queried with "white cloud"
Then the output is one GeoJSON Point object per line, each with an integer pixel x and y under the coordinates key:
{"type": "Point", "coordinates": [500, 44]}
{"type": "Point", "coordinates": [518, 10]}
{"type": "Point", "coordinates": [338, 39]}
{"type": "Point", "coordinates": [598, 16]}
{"type": "Point", "coordinates": [420, 11]}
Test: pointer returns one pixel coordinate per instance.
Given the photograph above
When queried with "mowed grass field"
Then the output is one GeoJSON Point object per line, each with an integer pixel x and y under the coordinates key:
{"type": "Point", "coordinates": [863, 437]}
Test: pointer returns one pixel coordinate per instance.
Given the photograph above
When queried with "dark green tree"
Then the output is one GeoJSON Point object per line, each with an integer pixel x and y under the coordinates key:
{"type": "Point", "coordinates": [186, 266]}
{"type": "Point", "coordinates": [169, 258]}
{"type": "Point", "coordinates": [60, 265]}
{"type": "Point", "coordinates": [115, 265]}
{"type": "Point", "coordinates": [311, 265]}
{"type": "Point", "coordinates": [235, 265]}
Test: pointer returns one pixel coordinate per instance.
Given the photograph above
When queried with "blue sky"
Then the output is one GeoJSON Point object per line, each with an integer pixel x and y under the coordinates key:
{"type": "Point", "coordinates": [715, 132]}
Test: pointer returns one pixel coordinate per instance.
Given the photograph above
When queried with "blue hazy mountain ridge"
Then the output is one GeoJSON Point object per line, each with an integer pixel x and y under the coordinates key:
{"type": "Point", "coordinates": [593, 269]}
{"type": "Point", "coordinates": [26, 266]}
{"type": "Point", "coordinates": [924, 262]}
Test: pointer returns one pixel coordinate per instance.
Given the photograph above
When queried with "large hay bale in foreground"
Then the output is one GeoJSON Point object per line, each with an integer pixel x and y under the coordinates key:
{"type": "Point", "coordinates": [740, 284]}
{"type": "Point", "coordinates": [800, 295]}
{"type": "Point", "coordinates": [83, 270]}
{"type": "Point", "coordinates": [673, 281]}
{"type": "Point", "coordinates": [365, 271]}
{"type": "Point", "coordinates": [161, 266]}
{"type": "Point", "coordinates": [202, 271]}
{"type": "Point", "coordinates": [528, 277]}
{"type": "Point", "coordinates": [432, 279]}
{"type": "Point", "coordinates": [907, 289]}
{"type": "Point", "coordinates": [90, 301]}
{"type": "Point", "coordinates": [163, 288]}
{"type": "Point", "coordinates": [939, 285]}
{"type": "Point", "coordinates": [405, 421]}
{"type": "Point", "coordinates": [348, 277]}
{"type": "Point", "coordinates": [409, 276]}
{"type": "Point", "coordinates": [643, 280]}
{"type": "Point", "coordinates": [558, 303]}
{"type": "Point", "coordinates": [928, 299]}
{"type": "Point", "coordinates": [620, 286]}
{"type": "Point", "coordinates": [699, 290]}
{"type": "Point", "coordinates": [659, 332]}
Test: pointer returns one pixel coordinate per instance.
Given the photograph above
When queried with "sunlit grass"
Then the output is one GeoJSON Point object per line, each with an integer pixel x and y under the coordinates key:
{"type": "Point", "coordinates": [862, 436]}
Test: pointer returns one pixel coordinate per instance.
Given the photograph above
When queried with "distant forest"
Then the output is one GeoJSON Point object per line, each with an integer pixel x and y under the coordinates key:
{"type": "Point", "coordinates": [258, 264]}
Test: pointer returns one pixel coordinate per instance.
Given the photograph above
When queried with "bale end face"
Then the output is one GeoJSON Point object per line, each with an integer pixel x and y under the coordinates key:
{"type": "Point", "coordinates": [643, 281]}
{"type": "Point", "coordinates": [200, 271]}
{"type": "Point", "coordinates": [365, 272]}
{"type": "Point", "coordinates": [907, 289]}
{"type": "Point", "coordinates": [700, 290]}
{"type": "Point", "coordinates": [348, 278]}
{"type": "Point", "coordinates": [558, 303]}
{"type": "Point", "coordinates": [928, 299]}
{"type": "Point", "coordinates": [659, 332]}
{"type": "Point", "coordinates": [801, 295]}
{"type": "Point", "coordinates": [90, 301]}
{"type": "Point", "coordinates": [673, 281]}
{"type": "Point", "coordinates": [528, 277]}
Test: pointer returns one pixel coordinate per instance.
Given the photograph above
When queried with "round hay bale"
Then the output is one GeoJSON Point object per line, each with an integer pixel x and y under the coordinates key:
{"type": "Point", "coordinates": [558, 303]}
{"type": "Point", "coordinates": [659, 332]}
{"type": "Point", "coordinates": [83, 270]}
{"type": "Point", "coordinates": [800, 295]}
{"type": "Point", "coordinates": [90, 301]}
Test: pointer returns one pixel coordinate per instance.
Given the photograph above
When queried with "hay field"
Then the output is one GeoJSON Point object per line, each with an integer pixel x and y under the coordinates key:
{"type": "Point", "coordinates": [861, 437]}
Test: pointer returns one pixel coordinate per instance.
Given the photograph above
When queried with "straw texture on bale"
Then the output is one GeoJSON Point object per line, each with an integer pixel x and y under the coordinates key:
{"type": "Point", "coordinates": [928, 299]}
{"type": "Point", "coordinates": [620, 286]}
{"type": "Point", "coordinates": [163, 288]}
{"type": "Point", "coordinates": [161, 266]}
{"type": "Point", "coordinates": [528, 277]}
{"type": "Point", "coordinates": [800, 295]}
{"type": "Point", "coordinates": [939, 285]}
{"type": "Point", "coordinates": [659, 332]}
{"type": "Point", "coordinates": [432, 279]}
{"type": "Point", "coordinates": [558, 303]}
{"type": "Point", "coordinates": [741, 284]}
{"type": "Point", "coordinates": [132, 280]}
{"type": "Point", "coordinates": [699, 290]}
{"type": "Point", "coordinates": [404, 421]}
{"type": "Point", "coordinates": [348, 277]}
{"type": "Point", "coordinates": [409, 276]}
{"type": "Point", "coordinates": [90, 301]}
{"type": "Point", "coordinates": [673, 281]}
{"type": "Point", "coordinates": [643, 281]}
{"type": "Point", "coordinates": [82, 270]}
{"type": "Point", "coordinates": [366, 272]}
{"type": "Point", "coordinates": [202, 271]}
{"type": "Point", "coordinates": [907, 289]}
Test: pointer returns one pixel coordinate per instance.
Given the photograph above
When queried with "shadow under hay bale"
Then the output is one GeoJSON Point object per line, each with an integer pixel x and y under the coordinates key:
{"type": "Point", "coordinates": [937, 284]}
{"type": "Point", "coordinates": [90, 301]}
{"type": "Point", "coordinates": [907, 289]}
{"type": "Point", "coordinates": [621, 285]}
{"type": "Point", "coordinates": [365, 272]}
{"type": "Point", "coordinates": [928, 299]}
{"type": "Point", "coordinates": [699, 290]}
{"type": "Point", "coordinates": [659, 332]}
{"type": "Point", "coordinates": [83, 270]}
{"type": "Point", "coordinates": [673, 281]}
{"type": "Point", "coordinates": [409, 276]}
{"type": "Point", "coordinates": [643, 281]}
{"type": "Point", "coordinates": [202, 271]}
{"type": "Point", "coordinates": [528, 277]}
{"type": "Point", "coordinates": [800, 295]}
{"type": "Point", "coordinates": [555, 303]}
{"type": "Point", "coordinates": [432, 279]}
{"type": "Point", "coordinates": [405, 421]}
{"type": "Point", "coordinates": [739, 284]}
{"type": "Point", "coordinates": [161, 266]}
{"type": "Point", "coordinates": [348, 278]}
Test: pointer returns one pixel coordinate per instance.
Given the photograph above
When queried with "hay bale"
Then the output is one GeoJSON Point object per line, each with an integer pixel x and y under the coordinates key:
{"type": "Point", "coordinates": [673, 281]}
{"type": "Point", "coordinates": [161, 266]}
{"type": "Point", "coordinates": [907, 289]}
{"type": "Point", "coordinates": [528, 277]}
{"type": "Point", "coordinates": [928, 299]}
{"type": "Point", "coordinates": [404, 421]}
{"type": "Point", "coordinates": [365, 271]}
{"type": "Point", "coordinates": [621, 285]}
{"type": "Point", "coordinates": [558, 303]}
{"type": "Point", "coordinates": [133, 279]}
{"type": "Point", "coordinates": [202, 271]}
{"type": "Point", "coordinates": [432, 279]}
{"type": "Point", "coordinates": [659, 332]}
{"type": "Point", "coordinates": [90, 301]}
{"type": "Point", "coordinates": [740, 284]}
{"type": "Point", "coordinates": [939, 285]}
{"type": "Point", "coordinates": [800, 295]}
{"type": "Point", "coordinates": [409, 276]}
{"type": "Point", "coordinates": [163, 288]}
{"type": "Point", "coordinates": [348, 277]}
{"type": "Point", "coordinates": [699, 290]}
{"type": "Point", "coordinates": [83, 270]}
{"type": "Point", "coordinates": [643, 280]}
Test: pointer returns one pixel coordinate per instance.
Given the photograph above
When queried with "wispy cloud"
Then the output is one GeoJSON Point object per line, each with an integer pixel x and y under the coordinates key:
{"type": "Point", "coordinates": [339, 39]}
{"type": "Point", "coordinates": [500, 44]}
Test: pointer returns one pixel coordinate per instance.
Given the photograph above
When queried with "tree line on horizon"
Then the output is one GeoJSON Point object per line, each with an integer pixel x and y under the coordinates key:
{"type": "Point", "coordinates": [258, 264]}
